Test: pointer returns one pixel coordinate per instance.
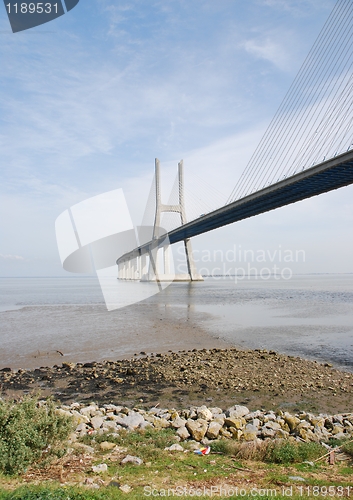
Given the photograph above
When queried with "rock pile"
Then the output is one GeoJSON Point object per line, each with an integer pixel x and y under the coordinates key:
{"type": "Point", "coordinates": [203, 424]}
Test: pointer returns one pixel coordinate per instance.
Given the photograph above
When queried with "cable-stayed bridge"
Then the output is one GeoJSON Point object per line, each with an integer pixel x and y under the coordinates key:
{"type": "Point", "coordinates": [327, 176]}
{"type": "Point", "coordinates": [306, 151]}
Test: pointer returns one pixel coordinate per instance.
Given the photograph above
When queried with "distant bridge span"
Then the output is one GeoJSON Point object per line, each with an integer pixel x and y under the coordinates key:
{"type": "Point", "coordinates": [326, 176]}
{"type": "Point", "coordinates": [313, 121]}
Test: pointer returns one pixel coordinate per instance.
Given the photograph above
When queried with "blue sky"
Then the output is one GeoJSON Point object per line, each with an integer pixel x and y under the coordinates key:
{"type": "Point", "coordinates": [90, 99]}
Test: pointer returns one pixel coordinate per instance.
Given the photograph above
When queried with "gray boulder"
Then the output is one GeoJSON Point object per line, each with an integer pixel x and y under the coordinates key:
{"type": "Point", "coordinates": [237, 411]}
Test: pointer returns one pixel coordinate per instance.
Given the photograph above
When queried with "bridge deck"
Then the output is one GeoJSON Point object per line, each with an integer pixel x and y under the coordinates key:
{"type": "Point", "coordinates": [327, 176]}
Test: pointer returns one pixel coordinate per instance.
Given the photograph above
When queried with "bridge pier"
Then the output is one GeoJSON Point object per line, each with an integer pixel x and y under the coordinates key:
{"type": "Point", "coordinates": [167, 256]}
{"type": "Point", "coordinates": [133, 268]}
{"type": "Point", "coordinates": [144, 268]}
{"type": "Point", "coordinates": [179, 208]}
{"type": "Point", "coordinates": [157, 267]}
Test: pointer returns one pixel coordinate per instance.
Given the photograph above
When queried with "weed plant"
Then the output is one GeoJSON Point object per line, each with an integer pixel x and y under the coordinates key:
{"type": "Point", "coordinates": [30, 431]}
{"type": "Point", "coordinates": [272, 451]}
{"type": "Point", "coordinates": [348, 448]}
{"type": "Point", "coordinates": [286, 452]}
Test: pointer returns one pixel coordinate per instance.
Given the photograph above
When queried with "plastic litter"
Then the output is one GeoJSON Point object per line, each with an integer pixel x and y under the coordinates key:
{"type": "Point", "coordinates": [203, 451]}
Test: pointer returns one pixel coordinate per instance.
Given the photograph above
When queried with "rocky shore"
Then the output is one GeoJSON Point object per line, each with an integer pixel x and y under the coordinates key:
{"type": "Point", "coordinates": [220, 377]}
{"type": "Point", "coordinates": [204, 424]}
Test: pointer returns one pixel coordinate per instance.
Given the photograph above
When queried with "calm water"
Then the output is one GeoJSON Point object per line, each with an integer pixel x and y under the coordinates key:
{"type": "Point", "coordinates": [309, 315]}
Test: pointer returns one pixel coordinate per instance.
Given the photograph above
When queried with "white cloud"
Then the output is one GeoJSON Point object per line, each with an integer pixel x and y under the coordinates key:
{"type": "Point", "coordinates": [267, 48]}
{"type": "Point", "coordinates": [301, 8]}
{"type": "Point", "coordinates": [11, 257]}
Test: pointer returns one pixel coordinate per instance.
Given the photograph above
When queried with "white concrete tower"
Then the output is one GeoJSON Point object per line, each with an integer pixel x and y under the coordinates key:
{"type": "Point", "coordinates": [180, 209]}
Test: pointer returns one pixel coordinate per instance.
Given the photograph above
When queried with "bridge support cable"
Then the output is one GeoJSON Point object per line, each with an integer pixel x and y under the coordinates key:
{"type": "Point", "coordinates": [331, 77]}
{"type": "Point", "coordinates": [299, 83]}
{"type": "Point", "coordinates": [314, 120]}
{"type": "Point", "coordinates": [329, 175]}
{"type": "Point", "coordinates": [306, 102]}
{"type": "Point", "coordinates": [335, 126]}
{"type": "Point", "coordinates": [321, 54]}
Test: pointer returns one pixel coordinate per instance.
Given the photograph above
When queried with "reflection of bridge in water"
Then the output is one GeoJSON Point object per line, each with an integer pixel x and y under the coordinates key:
{"type": "Point", "coordinates": [306, 151]}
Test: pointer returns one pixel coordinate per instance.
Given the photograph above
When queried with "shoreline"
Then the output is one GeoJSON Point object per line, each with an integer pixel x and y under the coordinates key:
{"type": "Point", "coordinates": [52, 335]}
{"type": "Point", "coordinates": [57, 334]}
{"type": "Point", "coordinates": [181, 317]}
{"type": "Point", "coordinates": [218, 376]}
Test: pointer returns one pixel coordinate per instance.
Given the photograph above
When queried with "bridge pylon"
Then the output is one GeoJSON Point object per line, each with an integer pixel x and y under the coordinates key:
{"type": "Point", "coordinates": [179, 208]}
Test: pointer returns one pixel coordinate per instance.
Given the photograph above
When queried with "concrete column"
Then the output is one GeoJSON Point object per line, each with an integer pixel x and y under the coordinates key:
{"type": "Point", "coordinates": [132, 269]}
{"type": "Point", "coordinates": [157, 219]}
{"type": "Point", "coordinates": [159, 265]}
{"type": "Point", "coordinates": [189, 259]}
{"type": "Point", "coordinates": [154, 271]}
{"type": "Point", "coordinates": [143, 266]}
{"type": "Point", "coordinates": [166, 251]}
{"type": "Point", "coordinates": [138, 267]}
{"type": "Point", "coordinates": [136, 264]}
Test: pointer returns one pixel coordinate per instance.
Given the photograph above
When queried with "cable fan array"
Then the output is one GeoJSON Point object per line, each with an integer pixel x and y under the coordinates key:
{"type": "Point", "coordinates": [313, 124]}
{"type": "Point", "coordinates": [314, 121]}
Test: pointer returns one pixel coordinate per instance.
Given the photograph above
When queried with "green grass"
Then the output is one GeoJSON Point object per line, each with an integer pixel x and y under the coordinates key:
{"type": "Point", "coordinates": [346, 471]}
{"type": "Point", "coordinates": [347, 448]}
{"type": "Point", "coordinates": [285, 452]}
{"type": "Point", "coordinates": [60, 493]}
{"type": "Point", "coordinates": [146, 444]}
{"type": "Point", "coordinates": [229, 460]}
{"type": "Point", "coordinates": [271, 451]}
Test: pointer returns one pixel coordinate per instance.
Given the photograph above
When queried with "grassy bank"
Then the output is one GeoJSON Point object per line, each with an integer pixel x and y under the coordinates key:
{"type": "Point", "coordinates": [267, 469]}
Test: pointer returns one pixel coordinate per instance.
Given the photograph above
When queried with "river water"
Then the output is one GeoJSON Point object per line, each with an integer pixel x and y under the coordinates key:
{"type": "Point", "coordinates": [308, 315]}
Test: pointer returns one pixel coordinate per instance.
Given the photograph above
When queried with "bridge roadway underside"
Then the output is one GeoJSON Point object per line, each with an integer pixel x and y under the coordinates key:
{"type": "Point", "coordinates": [327, 176]}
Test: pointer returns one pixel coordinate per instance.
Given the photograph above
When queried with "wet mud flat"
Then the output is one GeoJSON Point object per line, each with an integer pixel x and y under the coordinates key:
{"type": "Point", "coordinates": [44, 336]}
